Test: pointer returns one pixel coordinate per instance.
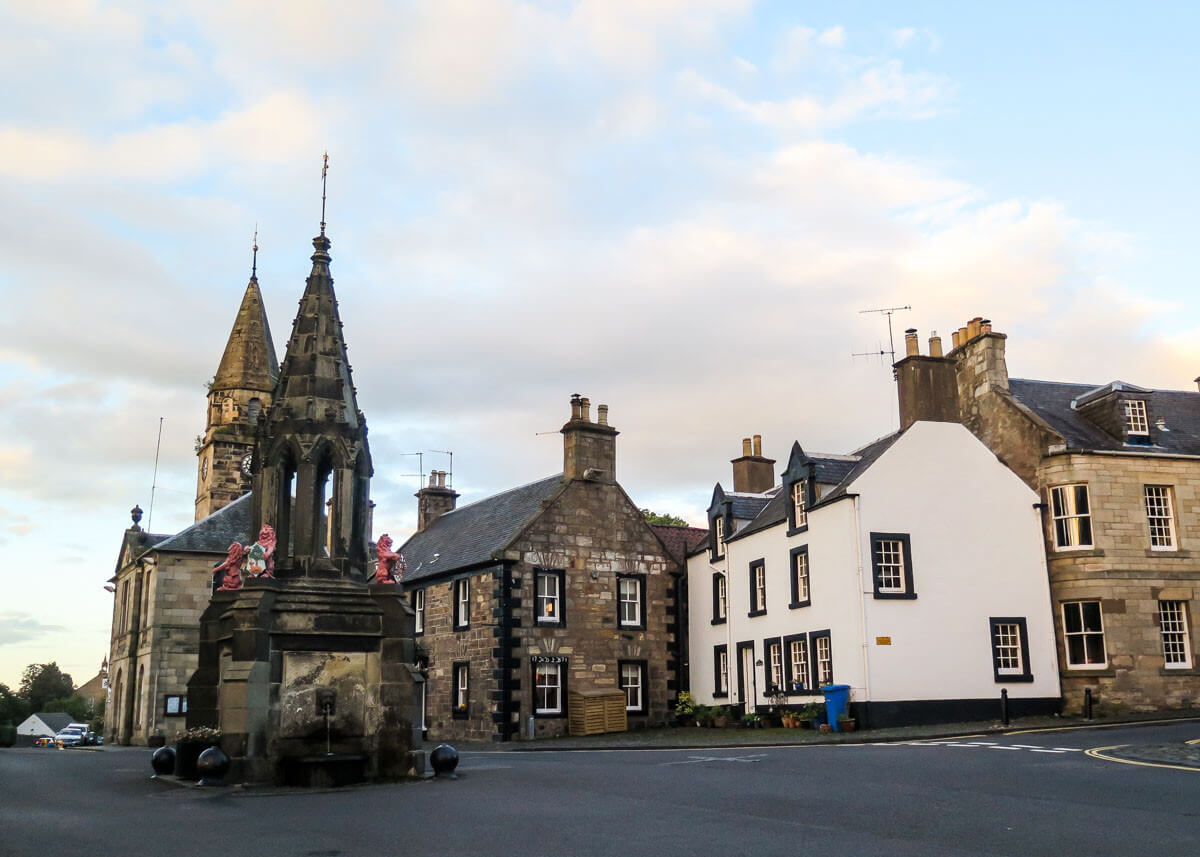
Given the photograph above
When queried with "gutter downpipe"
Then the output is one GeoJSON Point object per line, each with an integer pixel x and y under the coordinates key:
{"type": "Point", "coordinates": [862, 606]}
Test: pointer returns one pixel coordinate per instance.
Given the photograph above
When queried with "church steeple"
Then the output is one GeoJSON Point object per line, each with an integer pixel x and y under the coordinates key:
{"type": "Point", "coordinates": [241, 390]}
{"type": "Point", "coordinates": [313, 477]}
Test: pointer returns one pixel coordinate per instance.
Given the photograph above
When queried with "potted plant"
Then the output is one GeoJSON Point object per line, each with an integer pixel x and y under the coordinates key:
{"type": "Point", "coordinates": [720, 717]}
{"type": "Point", "coordinates": [813, 713]}
{"type": "Point", "coordinates": [752, 720]}
{"type": "Point", "coordinates": [703, 715]}
{"type": "Point", "coordinates": [685, 709]}
{"type": "Point", "coordinates": [846, 723]}
{"type": "Point", "coordinates": [189, 744]}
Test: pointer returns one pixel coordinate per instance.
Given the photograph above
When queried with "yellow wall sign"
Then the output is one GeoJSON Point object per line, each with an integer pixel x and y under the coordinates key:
{"type": "Point", "coordinates": [883, 641]}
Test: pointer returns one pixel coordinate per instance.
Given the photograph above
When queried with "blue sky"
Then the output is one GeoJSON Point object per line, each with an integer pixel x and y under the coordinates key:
{"type": "Point", "coordinates": [676, 208]}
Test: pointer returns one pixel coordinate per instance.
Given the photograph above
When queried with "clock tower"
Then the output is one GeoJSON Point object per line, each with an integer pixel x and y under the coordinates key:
{"type": "Point", "coordinates": [238, 394]}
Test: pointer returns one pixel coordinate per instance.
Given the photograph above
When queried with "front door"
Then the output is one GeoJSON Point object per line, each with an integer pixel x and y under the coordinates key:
{"type": "Point", "coordinates": [746, 682]}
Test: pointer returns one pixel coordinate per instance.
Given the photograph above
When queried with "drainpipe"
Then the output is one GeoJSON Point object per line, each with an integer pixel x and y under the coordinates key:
{"type": "Point", "coordinates": [862, 602]}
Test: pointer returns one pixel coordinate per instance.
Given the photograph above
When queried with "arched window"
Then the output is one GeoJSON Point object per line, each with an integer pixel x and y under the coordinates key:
{"type": "Point", "coordinates": [253, 409]}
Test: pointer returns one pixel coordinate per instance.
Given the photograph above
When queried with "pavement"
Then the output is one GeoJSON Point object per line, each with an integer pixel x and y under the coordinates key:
{"type": "Point", "coordinates": [1186, 755]}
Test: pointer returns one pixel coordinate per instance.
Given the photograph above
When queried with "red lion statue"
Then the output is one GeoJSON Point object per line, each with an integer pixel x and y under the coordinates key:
{"type": "Point", "coordinates": [230, 570]}
{"type": "Point", "coordinates": [391, 566]}
{"type": "Point", "coordinates": [260, 556]}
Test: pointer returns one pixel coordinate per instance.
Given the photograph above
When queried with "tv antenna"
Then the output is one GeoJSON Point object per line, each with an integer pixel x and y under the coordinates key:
{"type": "Point", "coordinates": [891, 349]}
{"type": "Point", "coordinates": [449, 475]}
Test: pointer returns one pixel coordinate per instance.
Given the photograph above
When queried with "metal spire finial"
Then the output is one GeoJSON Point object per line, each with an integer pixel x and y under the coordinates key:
{"type": "Point", "coordinates": [324, 171]}
{"type": "Point", "coordinates": [254, 263]}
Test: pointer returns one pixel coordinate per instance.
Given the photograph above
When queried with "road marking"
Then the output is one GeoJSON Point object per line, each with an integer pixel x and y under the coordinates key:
{"type": "Point", "coordinates": [691, 760]}
{"type": "Point", "coordinates": [1026, 746]}
{"type": "Point", "coordinates": [1041, 750]}
{"type": "Point", "coordinates": [1098, 753]}
{"type": "Point", "coordinates": [982, 743]}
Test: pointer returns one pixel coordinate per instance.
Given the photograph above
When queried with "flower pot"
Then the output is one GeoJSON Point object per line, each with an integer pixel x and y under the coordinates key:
{"type": "Point", "coordinates": [847, 725]}
{"type": "Point", "coordinates": [825, 727]}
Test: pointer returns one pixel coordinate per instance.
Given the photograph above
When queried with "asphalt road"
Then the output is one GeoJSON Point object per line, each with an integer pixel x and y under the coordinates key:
{"type": "Point", "coordinates": [1031, 794]}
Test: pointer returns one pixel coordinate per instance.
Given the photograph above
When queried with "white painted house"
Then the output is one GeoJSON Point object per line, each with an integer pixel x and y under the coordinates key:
{"type": "Point", "coordinates": [912, 570]}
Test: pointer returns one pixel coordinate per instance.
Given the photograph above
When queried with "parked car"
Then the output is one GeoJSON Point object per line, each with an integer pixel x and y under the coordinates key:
{"type": "Point", "coordinates": [72, 736]}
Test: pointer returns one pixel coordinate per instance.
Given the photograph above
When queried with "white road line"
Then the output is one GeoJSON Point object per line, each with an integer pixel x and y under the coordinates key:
{"type": "Point", "coordinates": [1069, 749]}
{"type": "Point", "coordinates": [1041, 750]}
{"type": "Point", "coordinates": [983, 743]}
{"type": "Point", "coordinates": [1003, 747]}
{"type": "Point", "coordinates": [1027, 746]}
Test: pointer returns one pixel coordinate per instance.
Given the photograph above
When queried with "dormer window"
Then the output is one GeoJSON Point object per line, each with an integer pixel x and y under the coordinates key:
{"type": "Point", "coordinates": [719, 528]}
{"type": "Point", "coordinates": [1136, 422]}
{"type": "Point", "coordinates": [800, 503]}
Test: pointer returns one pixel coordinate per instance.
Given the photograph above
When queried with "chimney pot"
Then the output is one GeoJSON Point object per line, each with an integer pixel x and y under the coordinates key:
{"type": "Point", "coordinates": [935, 344]}
{"type": "Point", "coordinates": [575, 406]}
{"type": "Point", "coordinates": [985, 326]}
{"type": "Point", "coordinates": [585, 409]}
{"type": "Point", "coordinates": [746, 446]}
{"type": "Point", "coordinates": [911, 349]}
{"type": "Point", "coordinates": [758, 445]}
{"type": "Point", "coordinates": [602, 414]}
{"type": "Point", "coordinates": [962, 336]}
{"type": "Point", "coordinates": [954, 340]}
{"type": "Point", "coordinates": [973, 327]}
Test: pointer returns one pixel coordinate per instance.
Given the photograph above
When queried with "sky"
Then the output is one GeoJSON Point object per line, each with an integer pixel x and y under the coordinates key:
{"type": "Point", "coordinates": [684, 210]}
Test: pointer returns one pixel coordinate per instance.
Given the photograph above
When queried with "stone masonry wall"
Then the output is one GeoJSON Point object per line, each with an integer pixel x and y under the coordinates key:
{"type": "Point", "coordinates": [593, 532]}
{"type": "Point", "coordinates": [1128, 577]}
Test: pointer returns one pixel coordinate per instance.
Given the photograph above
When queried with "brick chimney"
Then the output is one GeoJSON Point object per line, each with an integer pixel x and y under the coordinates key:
{"type": "Point", "coordinates": [434, 500]}
{"type": "Point", "coordinates": [589, 448]}
{"type": "Point", "coordinates": [753, 474]}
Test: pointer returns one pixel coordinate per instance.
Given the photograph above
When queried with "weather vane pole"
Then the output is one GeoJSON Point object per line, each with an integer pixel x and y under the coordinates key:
{"type": "Point", "coordinates": [324, 172]}
{"type": "Point", "coordinates": [254, 262]}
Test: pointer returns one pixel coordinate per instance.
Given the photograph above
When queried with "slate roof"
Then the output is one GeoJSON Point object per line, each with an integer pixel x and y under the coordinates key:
{"type": "Point", "coordinates": [680, 541]}
{"type": "Point", "coordinates": [469, 535]}
{"type": "Point", "coordinates": [56, 721]}
{"type": "Point", "coordinates": [840, 471]}
{"type": "Point", "coordinates": [1051, 400]}
{"type": "Point", "coordinates": [215, 533]}
{"type": "Point", "coordinates": [746, 507]}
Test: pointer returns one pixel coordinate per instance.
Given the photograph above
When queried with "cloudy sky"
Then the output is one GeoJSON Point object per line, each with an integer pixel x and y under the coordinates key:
{"type": "Point", "coordinates": [680, 209]}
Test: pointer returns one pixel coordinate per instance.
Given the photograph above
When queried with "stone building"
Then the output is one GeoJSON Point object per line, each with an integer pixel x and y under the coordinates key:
{"type": "Point", "coordinates": [162, 582]}
{"type": "Point", "coordinates": [1117, 473]}
{"type": "Point", "coordinates": [553, 587]}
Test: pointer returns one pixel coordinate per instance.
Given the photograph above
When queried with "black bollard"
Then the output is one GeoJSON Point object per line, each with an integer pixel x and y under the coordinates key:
{"type": "Point", "coordinates": [1087, 703]}
{"type": "Point", "coordinates": [1004, 705]}
{"type": "Point", "coordinates": [162, 761]}
{"type": "Point", "coordinates": [212, 766]}
{"type": "Point", "coordinates": [444, 760]}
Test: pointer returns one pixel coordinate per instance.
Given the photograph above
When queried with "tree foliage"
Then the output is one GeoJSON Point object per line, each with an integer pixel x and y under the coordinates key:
{"type": "Point", "coordinates": [663, 519]}
{"type": "Point", "coordinates": [41, 683]}
{"type": "Point", "coordinates": [13, 709]}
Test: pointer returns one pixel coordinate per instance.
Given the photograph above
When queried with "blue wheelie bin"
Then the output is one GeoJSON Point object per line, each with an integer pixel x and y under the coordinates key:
{"type": "Point", "coordinates": [837, 698]}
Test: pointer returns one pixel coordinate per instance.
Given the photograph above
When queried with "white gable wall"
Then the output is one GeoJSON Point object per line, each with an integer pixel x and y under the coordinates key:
{"type": "Point", "coordinates": [977, 552]}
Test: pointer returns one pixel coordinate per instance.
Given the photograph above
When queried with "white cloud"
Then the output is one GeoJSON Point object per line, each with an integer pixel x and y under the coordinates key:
{"type": "Point", "coordinates": [834, 37]}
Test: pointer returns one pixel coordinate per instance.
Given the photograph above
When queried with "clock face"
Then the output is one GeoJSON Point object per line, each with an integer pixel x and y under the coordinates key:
{"type": "Point", "coordinates": [247, 461]}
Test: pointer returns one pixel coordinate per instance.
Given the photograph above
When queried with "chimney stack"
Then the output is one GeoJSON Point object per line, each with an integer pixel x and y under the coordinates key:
{"type": "Point", "coordinates": [752, 473]}
{"type": "Point", "coordinates": [589, 448]}
{"type": "Point", "coordinates": [927, 387]}
{"type": "Point", "coordinates": [434, 500]}
{"type": "Point", "coordinates": [911, 348]}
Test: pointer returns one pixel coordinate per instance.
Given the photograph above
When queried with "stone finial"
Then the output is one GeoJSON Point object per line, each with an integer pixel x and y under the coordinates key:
{"type": "Point", "coordinates": [136, 514]}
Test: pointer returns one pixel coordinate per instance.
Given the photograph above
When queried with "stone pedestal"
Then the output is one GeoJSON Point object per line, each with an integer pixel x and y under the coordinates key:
{"type": "Point", "coordinates": [302, 669]}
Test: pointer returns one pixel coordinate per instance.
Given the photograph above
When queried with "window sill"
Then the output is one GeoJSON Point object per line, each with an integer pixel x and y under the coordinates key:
{"type": "Point", "coordinates": [549, 715]}
{"type": "Point", "coordinates": [1074, 552]}
{"type": "Point", "coordinates": [1014, 679]}
{"type": "Point", "coordinates": [1172, 553]}
{"type": "Point", "coordinates": [1089, 672]}
{"type": "Point", "coordinates": [631, 627]}
{"type": "Point", "coordinates": [718, 621]}
{"type": "Point", "coordinates": [721, 695]}
{"type": "Point", "coordinates": [459, 715]}
{"type": "Point", "coordinates": [549, 623]}
{"type": "Point", "coordinates": [796, 605]}
{"type": "Point", "coordinates": [754, 613]}
{"type": "Point", "coordinates": [795, 531]}
{"type": "Point", "coordinates": [896, 596]}
{"type": "Point", "coordinates": [1178, 671]}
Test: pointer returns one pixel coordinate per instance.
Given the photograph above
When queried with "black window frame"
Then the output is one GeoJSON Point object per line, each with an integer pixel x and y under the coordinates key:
{"type": "Point", "coordinates": [768, 688]}
{"type": "Point", "coordinates": [717, 550]}
{"type": "Point", "coordinates": [461, 623]}
{"type": "Point", "coordinates": [761, 562]}
{"type": "Point", "coordinates": [717, 652]}
{"type": "Point", "coordinates": [458, 668]}
{"type": "Point", "coordinates": [910, 592]}
{"type": "Point", "coordinates": [796, 603]}
{"type": "Point", "coordinates": [561, 662]}
{"type": "Point", "coordinates": [717, 618]}
{"type": "Point", "coordinates": [813, 663]}
{"type": "Point", "coordinates": [789, 678]}
{"type": "Point", "coordinates": [1026, 675]}
{"type": "Point", "coordinates": [644, 675]}
{"type": "Point", "coordinates": [561, 620]}
{"type": "Point", "coordinates": [181, 705]}
{"type": "Point", "coordinates": [640, 625]}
